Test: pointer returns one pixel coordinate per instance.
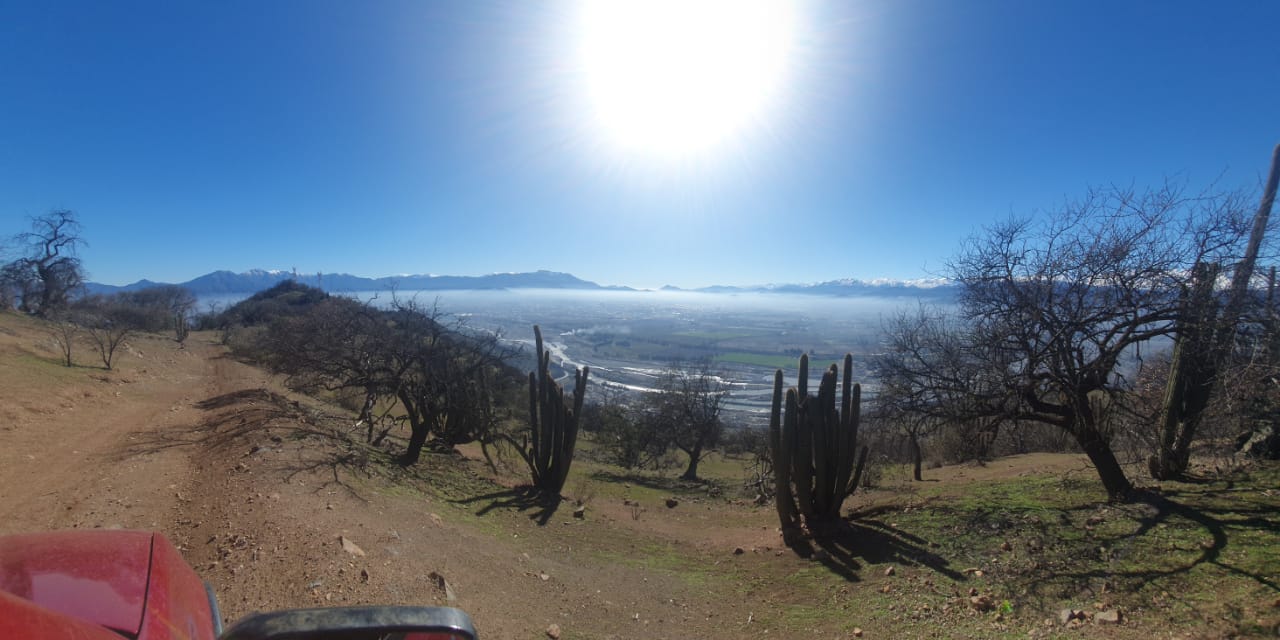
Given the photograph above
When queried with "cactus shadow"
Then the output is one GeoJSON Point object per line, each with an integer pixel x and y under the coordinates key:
{"type": "Point", "coordinates": [524, 498]}
{"type": "Point", "coordinates": [856, 543]}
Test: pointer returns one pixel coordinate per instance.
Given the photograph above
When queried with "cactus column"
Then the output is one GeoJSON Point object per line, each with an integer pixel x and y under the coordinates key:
{"type": "Point", "coordinates": [553, 425]}
{"type": "Point", "coordinates": [814, 445]}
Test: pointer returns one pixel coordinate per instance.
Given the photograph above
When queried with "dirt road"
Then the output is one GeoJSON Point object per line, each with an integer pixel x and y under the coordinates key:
{"type": "Point", "coordinates": [221, 459]}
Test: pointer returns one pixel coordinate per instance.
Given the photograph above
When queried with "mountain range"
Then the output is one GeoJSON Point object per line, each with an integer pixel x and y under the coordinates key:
{"type": "Point", "coordinates": [227, 282]}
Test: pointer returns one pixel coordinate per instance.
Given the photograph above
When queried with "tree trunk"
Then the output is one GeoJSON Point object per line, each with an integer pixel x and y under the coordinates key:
{"type": "Point", "coordinates": [1104, 460]}
{"type": "Point", "coordinates": [914, 444]}
{"type": "Point", "coordinates": [695, 456]}
{"type": "Point", "coordinates": [417, 438]}
{"type": "Point", "coordinates": [366, 412]}
{"type": "Point", "coordinates": [1183, 414]}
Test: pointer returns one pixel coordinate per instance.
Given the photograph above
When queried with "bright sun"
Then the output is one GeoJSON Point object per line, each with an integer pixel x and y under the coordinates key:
{"type": "Point", "coordinates": [675, 78]}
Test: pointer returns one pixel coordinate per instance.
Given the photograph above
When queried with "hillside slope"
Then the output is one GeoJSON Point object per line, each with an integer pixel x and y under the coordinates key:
{"type": "Point", "coordinates": [256, 485]}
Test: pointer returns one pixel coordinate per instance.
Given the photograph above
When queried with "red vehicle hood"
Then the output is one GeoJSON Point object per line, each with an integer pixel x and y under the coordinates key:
{"type": "Point", "coordinates": [96, 576]}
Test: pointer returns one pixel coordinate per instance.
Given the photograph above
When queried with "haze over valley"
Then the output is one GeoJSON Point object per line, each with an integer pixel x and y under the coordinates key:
{"type": "Point", "coordinates": [628, 337]}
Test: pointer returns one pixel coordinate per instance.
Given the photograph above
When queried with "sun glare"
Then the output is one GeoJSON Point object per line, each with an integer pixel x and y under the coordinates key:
{"type": "Point", "coordinates": [676, 78]}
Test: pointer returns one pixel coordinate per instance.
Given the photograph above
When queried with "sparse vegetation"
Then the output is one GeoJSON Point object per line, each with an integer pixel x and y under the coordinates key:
{"type": "Point", "coordinates": [553, 424]}
{"type": "Point", "coordinates": [1034, 527]}
{"type": "Point", "coordinates": [816, 460]}
{"type": "Point", "coordinates": [1051, 309]}
{"type": "Point", "coordinates": [47, 272]}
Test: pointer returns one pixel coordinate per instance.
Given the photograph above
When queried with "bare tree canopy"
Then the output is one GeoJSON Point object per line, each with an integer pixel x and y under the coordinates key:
{"type": "Point", "coordinates": [1051, 307]}
{"type": "Point", "coordinates": [41, 279]}
{"type": "Point", "coordinates": [446, 382]}
{"type": "Point", "coordinates": [686, 408]}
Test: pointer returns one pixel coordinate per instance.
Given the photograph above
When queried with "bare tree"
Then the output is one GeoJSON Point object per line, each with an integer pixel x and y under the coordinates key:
{"type": "Point", "coordinates": [1050, 309]}
{"type": "Point", "coordinates": [447, 378]}
{"type": "Point", "coordinates": [626, 437]}
{"type": "Point", "coordinates": [686, 409]}
{"type": "Point", "coordinates": [109, 320]}
{"type": "Point", "coordinates": [47, 270]}
{"type": "Point", "coordinates": [1204, 343]}
{"type": "Point", "coordinates": [338, 346]}
{"type": "Point", "coordinates": [935, 374]}
{"type": "Point", "coordinates": [166, 307]}
{"type": "Point", "coordinates": [64, 333]}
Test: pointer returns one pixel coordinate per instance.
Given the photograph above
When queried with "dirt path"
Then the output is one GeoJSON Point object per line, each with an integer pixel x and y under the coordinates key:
{"type": "Point", "coordinates": [60, 465]}
{"type": "Point", "coordinates": [220, 459]}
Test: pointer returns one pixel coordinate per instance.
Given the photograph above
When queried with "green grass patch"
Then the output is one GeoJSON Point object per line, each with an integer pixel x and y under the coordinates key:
{"type": "Point", "coordinates": [714, 336]}
{"type": "Point", "coordinates": [770, 361]}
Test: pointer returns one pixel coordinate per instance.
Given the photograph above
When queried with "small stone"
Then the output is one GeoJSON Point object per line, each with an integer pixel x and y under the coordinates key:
{"type": "Point", "coordinates": [580, 512]}
{"type": "Point", "coordinates": [857, 632]}
{"type": "Point", "coordinates": [350, 547]}
{"type": "Point", "coordinates": [553, 632]}
{"type": "Point", "coordinates": [443, 586]}
{"type": "Point", "coordinates": [889, 571]}
{"type": "Point", "coordinates": [435, 519]}
{"type": "Point", "coordinates": [978, 573]}
{"type": "Point", "coordinates": [1005, 546]}
{"type": "Point", "coordinates": [973, 591]}
{"type": "Point", "coordinates": [544, 577]}
{"type": "Point", "coordinates": [1107, 617]}
{"type": "Point", "coordinates": [1066, 615]}
{"type": "Point", "coordinates": [981, 603]}
{"type": "Point", "coordinates": [737, 551]}
{"type": "Point", "coordinates": [672, 503]}
{"type": "Point", "coordinates": [364, 575]}
{"type": "Point", "coordinates": [329, 506]}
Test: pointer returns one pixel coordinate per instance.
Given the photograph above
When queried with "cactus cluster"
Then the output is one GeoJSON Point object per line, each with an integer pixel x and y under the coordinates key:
{"type": "Point", "coordinates": [553, 424]}
{"type": "Point", "coordinates": [814, 445]}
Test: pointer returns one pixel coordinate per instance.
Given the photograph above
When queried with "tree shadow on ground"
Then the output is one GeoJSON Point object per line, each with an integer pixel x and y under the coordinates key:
{"type": "Point", "coordinates": [521, 499]}
{"type": "Point", "coordinates": [864, 539]}
{"type": "Point", "coordinates": [251, 424]}
{"type": "Point", "coordinates": [1215, 521]}
{"type": "Point", "coordinates": [658, 483]}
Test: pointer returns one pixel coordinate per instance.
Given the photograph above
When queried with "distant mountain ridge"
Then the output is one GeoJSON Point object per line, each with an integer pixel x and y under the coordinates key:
{"type": "Point", "coordinates": [925, 288]}
{"type": "Point", "coordinates": [255, 280]}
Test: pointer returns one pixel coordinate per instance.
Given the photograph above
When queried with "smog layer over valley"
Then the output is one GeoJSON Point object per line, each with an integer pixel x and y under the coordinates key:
{"type": "Point", "coordinates": [628, 338]}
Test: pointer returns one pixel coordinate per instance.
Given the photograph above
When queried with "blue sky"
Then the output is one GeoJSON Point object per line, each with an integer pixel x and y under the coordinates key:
{"type": "Point", "coordinates": [379, 138]}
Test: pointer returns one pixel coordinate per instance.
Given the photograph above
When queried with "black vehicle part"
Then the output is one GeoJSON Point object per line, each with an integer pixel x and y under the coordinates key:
{"type": "Point", "coordinates": [214, 611]}
{"type": "Point", "coordinates": [355, 623]}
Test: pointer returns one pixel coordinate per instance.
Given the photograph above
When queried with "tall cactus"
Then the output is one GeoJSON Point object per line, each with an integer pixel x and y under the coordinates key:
{"type": "Point", "coordinates": [553, 425]}
{"type": "Point", "coordinates": [814, 446]}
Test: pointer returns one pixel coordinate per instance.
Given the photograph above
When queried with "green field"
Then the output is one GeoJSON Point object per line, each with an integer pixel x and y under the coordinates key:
{"type": "Point", "coordinates": [767, 360]}
{"type": "Point", "coordinates": [714, 335]}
